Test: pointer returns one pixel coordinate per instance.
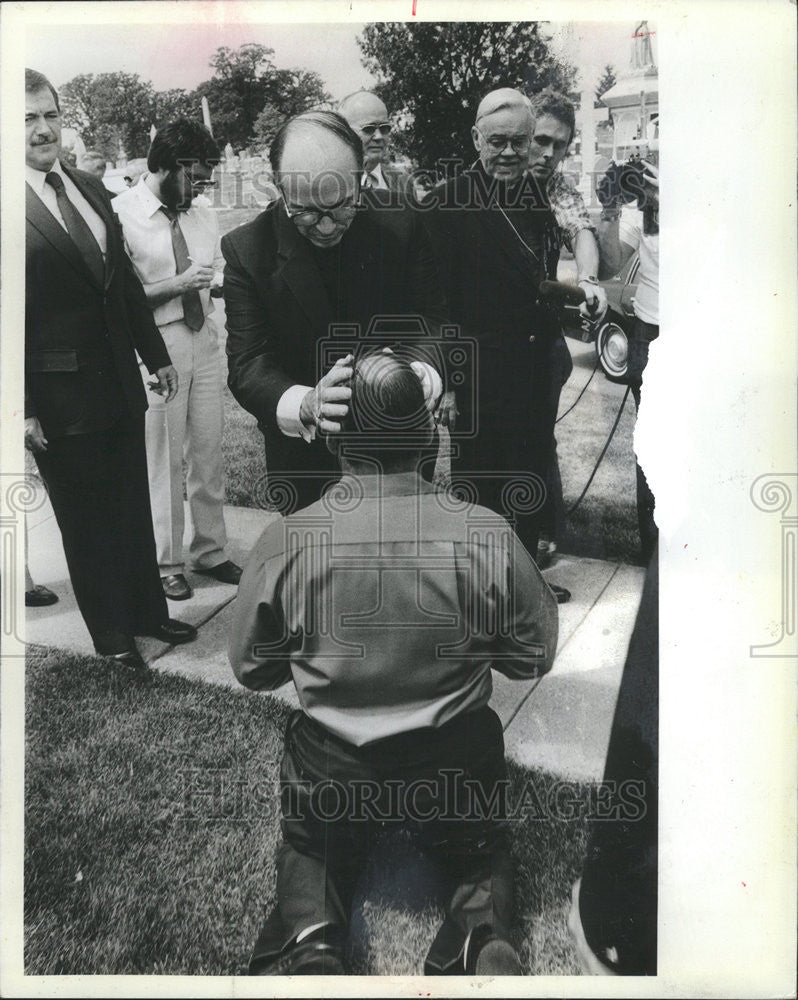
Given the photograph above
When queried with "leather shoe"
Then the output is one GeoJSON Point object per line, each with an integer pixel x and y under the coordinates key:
{"type": "Point", "coordinates": [226, 572]}
{"type": "Point", "coordinates": [39, 597]}
{"type": "Point", "coordinates": [131, 658]}
{"type": "Point", "coordinates": [175, 587]}
{"type": "Point", "coordinates": [563, 596]}
{"type": "Point", "coordinates": [487, 954]}
{"type": "Point", "coordinates": [173, 632]}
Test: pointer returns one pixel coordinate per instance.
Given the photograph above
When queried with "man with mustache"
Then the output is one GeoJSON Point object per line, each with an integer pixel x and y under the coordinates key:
{"type": "Point", "coordinates": [174, 245]}
{"type": "Point", "coordinates": [85, 311]}
{"type": "Point", "coordinates": [316, 260]}
{"type": "Point", "coordinates": [497, 230]}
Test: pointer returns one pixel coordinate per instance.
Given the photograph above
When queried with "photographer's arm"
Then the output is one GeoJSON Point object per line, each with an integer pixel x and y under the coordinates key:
{"type": "Point", "coordinates": [613, 251]}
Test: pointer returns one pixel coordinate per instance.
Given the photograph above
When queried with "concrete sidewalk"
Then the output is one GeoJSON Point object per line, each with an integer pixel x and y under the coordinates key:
{"type": "Point", "coordinates": [560, 723]}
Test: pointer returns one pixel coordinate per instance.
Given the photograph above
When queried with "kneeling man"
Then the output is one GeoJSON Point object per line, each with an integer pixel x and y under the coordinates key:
{"type": "Point", "coordinates": [389, 604]}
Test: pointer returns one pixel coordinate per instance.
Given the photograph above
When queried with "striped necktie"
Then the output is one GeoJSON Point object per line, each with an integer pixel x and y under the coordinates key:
{"type": "Point", "coordinates": [193, 313]}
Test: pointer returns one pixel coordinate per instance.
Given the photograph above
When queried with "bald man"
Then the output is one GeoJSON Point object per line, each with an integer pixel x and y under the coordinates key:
{"type": "Point", "coordinates": [317, 258]}
{"type": "Point", "coordinates": [496, 230]}
{"type": "Point", "coordinates": [368, 117]}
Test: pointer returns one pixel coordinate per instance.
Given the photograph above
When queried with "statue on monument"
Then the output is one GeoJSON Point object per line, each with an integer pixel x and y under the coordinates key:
{"type": "Point", "coordinates": [642, 53]}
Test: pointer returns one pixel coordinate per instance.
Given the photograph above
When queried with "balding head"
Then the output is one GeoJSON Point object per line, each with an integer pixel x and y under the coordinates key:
{"type": "Point", "coordinates": [368, 117]}
{"type": "Point", "coordinates": [316, 161]}
{"type": "Point", "coordinates": [502, 99]}
{"type": "Point", "coordinates": [502, 134]}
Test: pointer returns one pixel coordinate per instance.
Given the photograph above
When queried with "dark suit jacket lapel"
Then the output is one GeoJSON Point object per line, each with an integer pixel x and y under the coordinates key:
{"type": "Point", "coordinates": [498, 229]}
{"type": "Point", "coordinates": [55, 234]}
{"type": "Point", "coordinates": [300, 273]}
{"type": "Point", "coordinates": [102, 210]}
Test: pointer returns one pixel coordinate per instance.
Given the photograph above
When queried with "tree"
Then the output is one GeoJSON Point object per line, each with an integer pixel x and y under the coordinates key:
{"type": "Point", "coordinates": [237, 91]}
{"type": "Point", "coordinates": [433, 75]}
{"type": "Point", "coordinates": [607, 80]}
{"type": "Point", "coordinates": [171, 104]}
{"type": "Point", "coordinates": [109, 110]}
{"type": "Point", "coordinates": [289, 93]}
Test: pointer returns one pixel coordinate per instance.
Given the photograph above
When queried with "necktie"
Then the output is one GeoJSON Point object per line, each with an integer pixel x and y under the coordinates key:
{"type": "Point", "coordinates": [78, 229]}
{"type": "Point", "coordinates": [193, 313]}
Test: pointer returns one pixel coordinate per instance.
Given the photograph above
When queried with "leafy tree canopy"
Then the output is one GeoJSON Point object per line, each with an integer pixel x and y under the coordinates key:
{"type": "Point", "coordinates": [432, 76]}
{"type": "Point", "coordinates": [108, 110]}
{"type": "Point", "coordinates": [246, 84]}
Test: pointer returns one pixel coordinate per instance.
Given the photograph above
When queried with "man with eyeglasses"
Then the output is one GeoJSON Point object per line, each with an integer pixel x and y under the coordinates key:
{"type": "Point", "coordinates": [316, 260]}
{"type": "Point", "coordinates": [368, 116]}
{"type": "Point", "coordinates": [174, 245]}
{"type": "Point", "coordinates": [496, 229]}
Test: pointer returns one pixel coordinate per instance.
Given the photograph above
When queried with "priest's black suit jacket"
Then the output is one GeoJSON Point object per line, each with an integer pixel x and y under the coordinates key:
{"type": "Point", "coordinates": [279, 317]}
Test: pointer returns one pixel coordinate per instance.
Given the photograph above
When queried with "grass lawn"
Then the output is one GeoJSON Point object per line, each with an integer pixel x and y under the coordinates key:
{"type": "Point", "coordinates": [151, 829]}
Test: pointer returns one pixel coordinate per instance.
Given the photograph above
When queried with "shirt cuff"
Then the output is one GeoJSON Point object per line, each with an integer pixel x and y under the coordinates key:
{"type": "Point", "coordinates": [430, 382]}
{"type": "Point", "coordinates": [288, 413]}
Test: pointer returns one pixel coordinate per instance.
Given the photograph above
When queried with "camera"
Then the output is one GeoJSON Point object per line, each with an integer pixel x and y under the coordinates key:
{"type": "Point", "coordinates": [626, 183]}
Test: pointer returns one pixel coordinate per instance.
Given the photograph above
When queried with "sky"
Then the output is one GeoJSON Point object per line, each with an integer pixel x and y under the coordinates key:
{"type": "Point", "coordinates": [177, 55]}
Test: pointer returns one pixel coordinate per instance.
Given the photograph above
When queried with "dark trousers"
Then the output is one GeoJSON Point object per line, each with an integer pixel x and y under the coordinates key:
{"type": "Point", "coordinates": [618, 895]}
{"type": "Point", "coordinates": [642, 335]}
{"type": "Point", "coordinates": [335, 798]}
{"type": "Point", "coordinates": [99, 490]}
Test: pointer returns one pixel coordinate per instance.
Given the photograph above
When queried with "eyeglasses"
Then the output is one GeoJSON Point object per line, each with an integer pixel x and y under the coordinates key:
{"type": "Point", "coordinates": [520, 143]}
{"type": "Point", "coordinates": [313, 216]}
{"type": "Point", "coordinates": [384, 128]}
{"type": "Point", "coordinates": [200, 184]}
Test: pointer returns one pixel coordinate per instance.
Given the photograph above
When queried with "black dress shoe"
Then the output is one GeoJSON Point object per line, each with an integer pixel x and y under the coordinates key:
{"type": "Point", "coordinates": [315, 953]}
{"type": "Point", "coordinates": [487, 954]}
{"type": "Point", "coordinates": [226, 572]}
{"type": "Point", "coordinates": [175, 587]}
{"type": "Point", "coordinates": [39, 597]}
{"type": "Point", "coordinates": [132, 659]}
{"type": "Point", "coordinates": [563, 596]}
{"type": "Point", "coordinates": [173, 631]}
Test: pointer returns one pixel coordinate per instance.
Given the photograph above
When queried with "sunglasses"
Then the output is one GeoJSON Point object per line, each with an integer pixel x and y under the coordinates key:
{"type": "Point", "coordinates": [384, 128]}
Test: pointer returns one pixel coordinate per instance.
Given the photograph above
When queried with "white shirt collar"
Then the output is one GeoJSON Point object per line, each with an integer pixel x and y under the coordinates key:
{"type": "Point", "coordinates": [378, 180]}
{"type": "Point", "coordinates": [36, 178]}
{"type": "Point", "coordinates": [149, 200]}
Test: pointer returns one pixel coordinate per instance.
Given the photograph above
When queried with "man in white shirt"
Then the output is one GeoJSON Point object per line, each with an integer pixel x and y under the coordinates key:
{"type": "Point", "coordinates": [174, 246]}
{"type": "Point", "coordinates": [622, 232]}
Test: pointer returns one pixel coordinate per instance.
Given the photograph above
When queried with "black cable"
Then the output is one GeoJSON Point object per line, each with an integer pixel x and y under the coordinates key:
{"type": "Point", "coordinates": [603, 452]}
{"type": "Point", "coordinates": [581, 393]}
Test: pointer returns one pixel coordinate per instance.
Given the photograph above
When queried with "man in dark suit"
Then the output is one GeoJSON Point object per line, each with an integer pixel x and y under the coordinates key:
{"type": "Point", "coordinates": [496, 238]}
{"type": "Point", "coordinates": [85, 312]}
{"type": "Point", "coordinates": [313, 259]}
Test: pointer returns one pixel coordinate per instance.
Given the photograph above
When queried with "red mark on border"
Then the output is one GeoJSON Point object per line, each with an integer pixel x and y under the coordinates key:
{"type": "Point", "coordinates": [414, 14]}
